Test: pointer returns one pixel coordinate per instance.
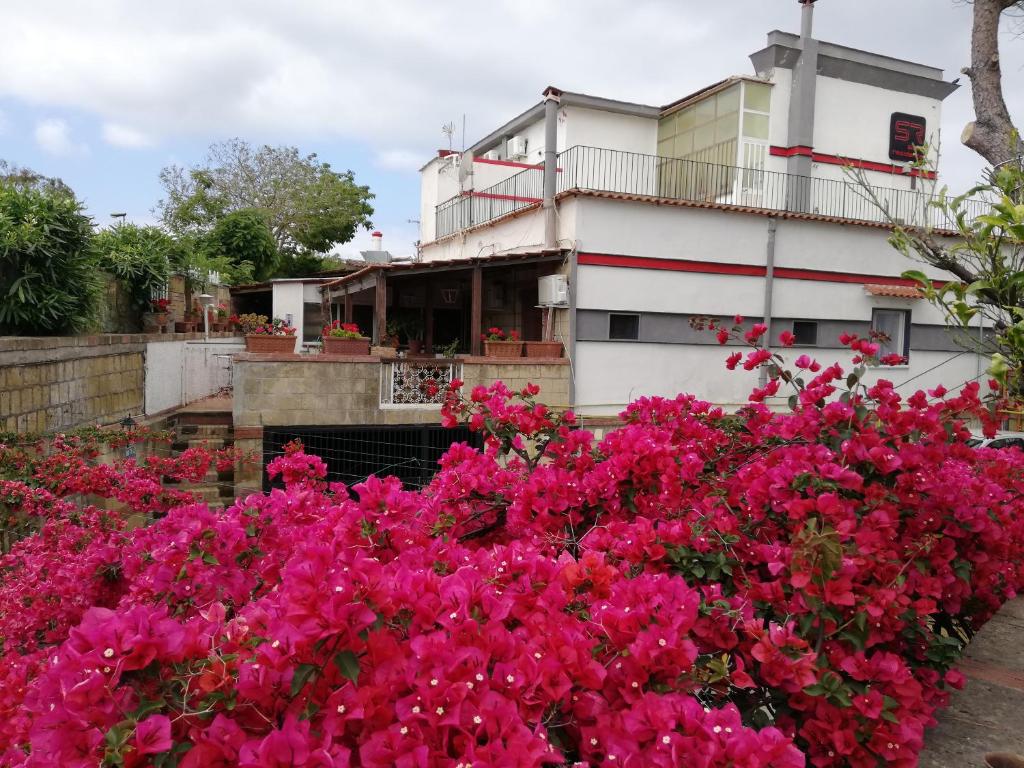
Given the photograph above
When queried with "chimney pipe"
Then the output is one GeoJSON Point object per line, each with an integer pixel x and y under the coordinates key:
{"type": "Point", "coordinates": [806, 18]}
{"type": "Point", "coordinates": [376, 239]}
{"type": "Point", "coordinates": [551, 100]}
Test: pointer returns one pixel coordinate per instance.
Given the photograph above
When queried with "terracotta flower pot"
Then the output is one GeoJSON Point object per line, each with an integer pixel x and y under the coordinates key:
{"type": "Point", "coordinates": [183, 326]}
{"type": "Point", "coordinates": [218, 326]}
{"type": "Point", "coordinates": [337, 346]}
{"type": "Point", "coordinates": [415, 346]}
{"type": "Point", "coordinates": [1004, 760]}
{"type": "Point", "coordinates": [549, 349]}
{"type": "Point", "coordinates": [505, 349]}
{"type": "Point", "coordinates": [261, 342]}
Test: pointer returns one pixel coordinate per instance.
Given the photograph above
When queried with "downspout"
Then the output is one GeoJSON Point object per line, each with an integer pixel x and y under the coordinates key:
{"type": "Point", "coordinates": [769, 279]}
{"type": "Point", "coordinates": [573, 283]}
{"type": "Point", "coordinates": [551, 99]}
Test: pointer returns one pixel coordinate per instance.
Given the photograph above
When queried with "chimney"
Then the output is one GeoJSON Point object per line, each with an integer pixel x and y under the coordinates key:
{"type": "Point", "coordinates": [376, 239]}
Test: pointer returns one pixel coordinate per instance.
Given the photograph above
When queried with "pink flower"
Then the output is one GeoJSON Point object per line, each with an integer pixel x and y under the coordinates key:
{"type": "Point", "coordinates": [153, 735]}
{"type": "Point", "coordinates": [786, 338]}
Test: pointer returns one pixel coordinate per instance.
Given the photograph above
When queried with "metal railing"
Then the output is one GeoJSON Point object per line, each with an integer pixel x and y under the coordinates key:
{"type": "Point", "coordinates": [631, 173]}
{"type": "Point", "coordinates": [416, 383]}
{"type": "Point", "coordinates": [518, 191]}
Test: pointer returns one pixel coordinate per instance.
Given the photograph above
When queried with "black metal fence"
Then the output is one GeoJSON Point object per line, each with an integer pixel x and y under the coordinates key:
{"type": "Point", "coordinates": [480, 206]}
{"type": "Point", "coordinates": [352, 454]}
{"type": "Point", "coordinates": [632, 173]}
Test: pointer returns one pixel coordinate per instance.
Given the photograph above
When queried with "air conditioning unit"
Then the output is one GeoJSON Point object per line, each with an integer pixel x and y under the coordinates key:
{"type": "Point", "coordinates": [517, 146]}
{"type": "Point", "coordinates": [553, 291]}
{"type": "Point", "coordinates": [492, 155]}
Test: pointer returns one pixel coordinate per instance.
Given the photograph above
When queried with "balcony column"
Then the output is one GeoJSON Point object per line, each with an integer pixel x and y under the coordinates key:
{"type": "Point", "coordinates": [348, 307]}
{"type": "Point", "coordinates": [476, 310]}
{"type": "Point", "coordinates": [380, 309]}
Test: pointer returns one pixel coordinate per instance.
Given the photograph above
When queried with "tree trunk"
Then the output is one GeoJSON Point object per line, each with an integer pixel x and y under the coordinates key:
{"type": "Point", "coordinates": [992, 134]}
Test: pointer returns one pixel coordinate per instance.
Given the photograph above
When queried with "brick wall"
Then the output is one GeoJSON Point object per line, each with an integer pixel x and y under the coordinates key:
{"type": "Point", "coordinates": [320, 390]}
{"type": "Point", "coordinates": [49, 384]}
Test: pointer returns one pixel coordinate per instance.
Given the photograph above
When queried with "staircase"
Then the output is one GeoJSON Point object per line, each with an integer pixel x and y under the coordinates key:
{"type": "Point", "coordinates": [208, 424]}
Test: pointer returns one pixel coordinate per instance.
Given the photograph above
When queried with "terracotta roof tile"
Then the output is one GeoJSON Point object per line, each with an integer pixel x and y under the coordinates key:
{"type": "Point", "coordinates": [894, 291]}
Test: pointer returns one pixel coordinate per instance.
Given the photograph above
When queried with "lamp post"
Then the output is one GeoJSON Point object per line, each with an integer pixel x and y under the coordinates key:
{"type": "Point", "coordinates": [206, 300]}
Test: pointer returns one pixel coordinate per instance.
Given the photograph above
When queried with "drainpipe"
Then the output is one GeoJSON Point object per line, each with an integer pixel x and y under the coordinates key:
{"type": "Point", "coordinates": [573, 283]}
{"type": "Point", "coordinates": [769, 279]}
{"type": "Point", "coordinates": [551, 99]}
{"type": "Point", "coordinates": [801, 111]}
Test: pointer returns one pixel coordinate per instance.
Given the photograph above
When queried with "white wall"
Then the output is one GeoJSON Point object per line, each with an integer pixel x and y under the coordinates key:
{"type": "Point", "coordinates": [610, 130]}
{"type": "Point", "coordinates": [439, 181]}
{"type": "Point", "coordinates": [669, 369]}
{"type": "Point", "coordinates": [179, 372]}
{"type": "Point", "coordinates": [288, 300]}
{"type": "Point", "coordinates": [852, 119]}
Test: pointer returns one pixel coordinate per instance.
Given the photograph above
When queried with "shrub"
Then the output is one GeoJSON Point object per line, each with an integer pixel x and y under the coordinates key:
{"type": "Point", "coordinates": [48, 278]}
{"type": "Point", "coordinates": [698, 588]}
{"type": "Point", "coordinates": [138, 257]}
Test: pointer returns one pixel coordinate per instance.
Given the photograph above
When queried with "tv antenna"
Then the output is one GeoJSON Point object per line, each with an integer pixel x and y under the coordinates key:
{"type": "Point", "coordinates": [448, 129]}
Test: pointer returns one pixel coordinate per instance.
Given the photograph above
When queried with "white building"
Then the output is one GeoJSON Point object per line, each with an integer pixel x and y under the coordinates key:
{"type": "Point", "coordinates": [734, 199]}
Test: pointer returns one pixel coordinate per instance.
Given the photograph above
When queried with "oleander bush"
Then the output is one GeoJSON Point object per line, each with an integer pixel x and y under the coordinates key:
{"type": "Point", "coordinates": [697, 588]}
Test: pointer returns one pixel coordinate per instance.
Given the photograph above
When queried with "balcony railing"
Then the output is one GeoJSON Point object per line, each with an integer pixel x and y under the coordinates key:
{"type": "Point", "coordinates": [474, 207]}
{"type": "Point", "coordinates": [630, 173]}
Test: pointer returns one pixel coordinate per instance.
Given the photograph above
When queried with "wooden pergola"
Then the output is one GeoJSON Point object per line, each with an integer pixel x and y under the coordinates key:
{"type": "Point", "coordinates": [378, 277]}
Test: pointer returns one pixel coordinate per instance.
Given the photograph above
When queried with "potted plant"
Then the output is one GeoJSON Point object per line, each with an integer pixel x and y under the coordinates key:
{"type": "Point", "coordinates": [548, 349]}
{"type": "Point", "coordinates": [233, 323]}
{"type": "Point", "coordinates": [275, 336]}
{"type": "Point", "coordinates": [219, 317]}
{"type": "Point", "coordinates": [448, 350]}
{"type": "Point", "coordinates": [344, 339]}
{"type": "Point", "coordinates": [156, 318]}
{"type": "Point", "coordinates": [498, 343]}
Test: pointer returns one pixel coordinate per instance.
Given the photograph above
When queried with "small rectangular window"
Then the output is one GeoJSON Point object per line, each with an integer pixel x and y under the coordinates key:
{"type": "Point", "coordinates": [891, 328]}
{"type": "Point", "coordinates": [624, 327]}
{"type": "Point", "coordinates": [805, 333]}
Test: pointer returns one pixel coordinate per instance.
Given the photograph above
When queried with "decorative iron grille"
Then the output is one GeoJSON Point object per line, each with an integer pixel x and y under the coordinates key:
{"type": "Point", "coordinates": [412, 383]}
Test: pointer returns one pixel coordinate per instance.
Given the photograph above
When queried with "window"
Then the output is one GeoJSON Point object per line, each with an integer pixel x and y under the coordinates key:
{"type": "Point", "coordinates": [805, 332]}
{"type": "Point", "coordinates": [892, 329]}
{"type": "Point", "coordinates": [624, 327]}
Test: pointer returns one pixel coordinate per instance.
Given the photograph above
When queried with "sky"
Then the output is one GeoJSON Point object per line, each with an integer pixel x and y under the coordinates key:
{"type": "Point", "coordinates": [104, 94]}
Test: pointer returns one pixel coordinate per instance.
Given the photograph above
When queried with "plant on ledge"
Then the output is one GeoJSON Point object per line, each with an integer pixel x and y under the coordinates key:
{"type": "Point", "coordinates": [344, 339]}
{"type": "Point", "coordinates": [499, 343]}
{"type": "Point", "coordinates": [250, 321]}
{"type": "Point", "coordinates": [275, 336]}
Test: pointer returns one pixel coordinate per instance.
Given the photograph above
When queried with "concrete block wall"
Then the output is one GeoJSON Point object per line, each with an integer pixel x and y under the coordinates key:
{"type": "Point", "coordinates": [50, 384]}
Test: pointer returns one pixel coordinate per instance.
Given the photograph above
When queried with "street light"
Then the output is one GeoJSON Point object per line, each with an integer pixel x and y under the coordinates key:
{"type": "Point", "coordinates": [206, 300]}
{"type": "Point", "coordinates": [119, 217]}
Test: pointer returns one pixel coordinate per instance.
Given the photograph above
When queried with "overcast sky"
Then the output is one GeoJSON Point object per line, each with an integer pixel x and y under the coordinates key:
{"type": "Point", "coordinates": [104, 94]}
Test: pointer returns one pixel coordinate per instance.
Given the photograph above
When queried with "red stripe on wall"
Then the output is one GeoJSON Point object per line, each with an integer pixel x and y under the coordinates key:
{"type": "Point", "coordinates": [749, 270]}
{"type": "Point", "coordinates": [494, 196]}
{"type": "Point", "coordinates": [867, 165]}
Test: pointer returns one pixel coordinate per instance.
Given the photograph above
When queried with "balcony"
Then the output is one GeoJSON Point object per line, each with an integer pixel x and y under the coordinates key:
{"type": "Point", "coordinates": [592, 169]}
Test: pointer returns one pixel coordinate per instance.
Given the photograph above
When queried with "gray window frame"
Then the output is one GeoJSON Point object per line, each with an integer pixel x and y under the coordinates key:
{"type": "Point", "coordinates": [623, 314]}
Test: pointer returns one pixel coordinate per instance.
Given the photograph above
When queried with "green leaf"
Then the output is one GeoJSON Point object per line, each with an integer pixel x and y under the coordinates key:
{"type": "Point", "coordinates": [348, 665]}
{"type": "Point", "coordinates": [303, 673]}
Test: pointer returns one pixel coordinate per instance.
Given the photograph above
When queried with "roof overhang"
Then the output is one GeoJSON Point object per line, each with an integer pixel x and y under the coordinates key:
{"type": "Point", "coordinates": [366, 278]}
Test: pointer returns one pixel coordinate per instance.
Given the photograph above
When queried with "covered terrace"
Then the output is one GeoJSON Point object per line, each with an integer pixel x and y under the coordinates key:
{"type": "Point", "coordinates": [442, 303]}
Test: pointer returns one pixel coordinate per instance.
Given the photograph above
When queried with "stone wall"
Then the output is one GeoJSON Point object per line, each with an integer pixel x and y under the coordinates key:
{"type": "Point", "coordinates": [49, 384]}
{"type": "Point", "coordinates": [329, 390]}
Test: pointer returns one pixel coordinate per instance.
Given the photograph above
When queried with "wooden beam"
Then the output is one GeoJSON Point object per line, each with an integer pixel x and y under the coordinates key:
{"type": "Point", "coordinates": [380, 306]}
{"type": "Point", "coordinates": [428, 318]}
{"type": "Point", "coordinates": [348, 307]}
{"type": "Point", "coordinates": [476, 311]}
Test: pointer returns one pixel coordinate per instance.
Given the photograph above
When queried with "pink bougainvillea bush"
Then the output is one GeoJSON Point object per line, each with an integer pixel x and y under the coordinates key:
{"type": "Point", "coordinates": [697, 588]}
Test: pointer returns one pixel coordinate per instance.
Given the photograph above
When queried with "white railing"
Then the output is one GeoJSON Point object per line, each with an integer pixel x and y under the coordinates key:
{"type": "Point", "coordinates": [407, 383]}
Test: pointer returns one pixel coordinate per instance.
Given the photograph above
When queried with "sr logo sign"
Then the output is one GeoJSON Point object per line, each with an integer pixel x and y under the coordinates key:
{"type": "Point", "coordinates": [905, 133]}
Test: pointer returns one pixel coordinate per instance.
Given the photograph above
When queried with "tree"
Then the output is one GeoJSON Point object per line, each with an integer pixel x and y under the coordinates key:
{"type": "Point", "coordinates": [309, 206]}
{"type": "Point", "coordinates": [992, 133]}
{"type": "Point", "coordinates": [49, 283]}
{"type": "Point", "coordinates": [244, 237]}
{"type": "Point", "coordinates": [26, 178]}
{"type": "Point", "coordinates": [138, 256]}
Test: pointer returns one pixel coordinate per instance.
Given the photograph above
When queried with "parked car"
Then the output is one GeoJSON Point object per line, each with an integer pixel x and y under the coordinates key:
{"type": "Point", "coordinates": [1001, 440]}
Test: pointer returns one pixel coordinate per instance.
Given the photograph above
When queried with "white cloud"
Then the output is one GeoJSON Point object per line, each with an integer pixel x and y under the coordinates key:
{"type": "Point", "coordinates": [53, 136]}
{"type": "Point", "coordinates": [126, 137]}
{"type": "Point", "coordinates": [390, 74]}
{"type": "Point", "coordinates": [400, 160]}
